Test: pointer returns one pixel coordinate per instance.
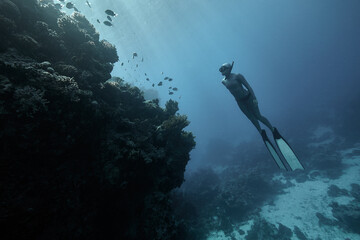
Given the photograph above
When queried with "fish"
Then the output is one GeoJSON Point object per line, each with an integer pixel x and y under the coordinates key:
{"type": "Point", "coordinates": [175, 89]}
{"type": "Point", "coordinates": [122, 64]}
{"type": "Point", "coordinates": [171, 93]}
{"type": "Point", "coordinates": [153, 85]}
{"type": "Point", "coordinates": [76, 10]}
{"type": "Point", "coordinates": [142, 59]}
{"type": "Point", "coordinates": [170, 79]}
{"type": "Point", "coordinates": [145, 74]}
{"type": "Point", "coordinates": [69, 5]}
{"type": "Point", "coordinates": [110, 13]}
{"type": "Point", "coordinates": [147, 79]}
{"type": "Point", "coordinates": [87, 2]}
{"type": "Point", "coordinates": [109, 18]}
{"type": "Point", "coordinates": [58, 6]}
{"type": "Point", "coordinates": [137, 65]}
{"type": "Point", "coordinates": [166, 78]}
{"type": "Point", "coordinates": [170, 87]}
{"type": "Point", "coordinates": [134, 55]}
{"type": "Point", "coordinates": [162, 73]}
{"type": "Point", "coordinates": [107, 23]}
{"type": "Point", "coordinates": [160, 84]}
{"type": "Point", "coordinates": [98, 20]}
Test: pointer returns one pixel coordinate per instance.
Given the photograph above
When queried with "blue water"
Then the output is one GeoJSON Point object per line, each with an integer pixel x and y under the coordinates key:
{"type": "Point", "coordinates": [301, 57]}
{"type": "Point", "coordinates": [298, 56]}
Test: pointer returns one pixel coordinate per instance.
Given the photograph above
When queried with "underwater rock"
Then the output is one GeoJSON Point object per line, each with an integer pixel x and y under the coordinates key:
{"type": "Point", "coordinates": [29, 101]}
{"type": "Point", "coordinates": [86, 26]}
{"type": "Point", "coordinates": [26, 43]}
{"type": "Point", "coordinates": [355, 191]}
{"type": "Point", "coordinates": [108, 51]}
{"type": "Point", "coordinates": [335, 191]}
{"type": "Point", "coordinates": [314, 174]}
{"type": "Point", "coordinates": [284, 231]}
{"type": "Point", "coordinates": [230, 195]}
{"type": "Point", "coordinates": [7, 25]}
{"type": "Point", "coordinates": [348, 215]}
{"type": "Point", "coordinates": [71, 32]}
{"type": "Point", "coordinates": [10, 10]}
{"type": "Point", "coordinates": [300, 235]}
{"type": "Point", "coordinates": [77, 150]}
{"type": "Point", "coordinates": [329, 164]}
{"type": "Point", "coordinates": [262, 229]}
{"type": "Point", "coordinates": [325, 221]}
{"type": "Point", "coordinates": [5, 85]}
{"type": "Point", "coordinates": [301, 177]}
{"type": "Point", "coordinates": [44, 65]}
{"type": "Point", "coordinates": [66, 70]}
{"type": "Point", "coordinates": [171, 107]}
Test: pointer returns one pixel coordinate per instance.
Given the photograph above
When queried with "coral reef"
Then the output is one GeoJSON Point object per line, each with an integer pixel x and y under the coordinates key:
{"type": "Point", "coordinates": [346, 216]}
{"type": "Point", "coordinates": [264, 230]}
{"type": "Point", "coordinates": [80, 157]}
{"type": "Point", "coordinates": [349, 215]}
{"type": "Point", "coordinates": [300, 235]}
{"type": "Point", "coordinates": [335, 191]}
{"type": "Point", "coordinates": [210, 201]}
{"type": "Point", "coordinates": [324, 220]}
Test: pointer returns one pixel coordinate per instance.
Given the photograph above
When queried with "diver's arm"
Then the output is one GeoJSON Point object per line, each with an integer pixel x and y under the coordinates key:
{"type": "Point", "coordinates": [242, 80]}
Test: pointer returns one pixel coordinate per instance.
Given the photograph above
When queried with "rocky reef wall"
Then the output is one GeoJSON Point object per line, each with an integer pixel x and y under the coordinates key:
{"type": "Point", "coordinates": [80, 157]}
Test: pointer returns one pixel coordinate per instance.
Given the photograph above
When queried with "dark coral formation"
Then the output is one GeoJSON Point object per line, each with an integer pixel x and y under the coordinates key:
{"type": "Point", "coordinates": [346, 216]}
{"type": "Point", "coordinates": [335, 191]}
{"type": "Point", "coordinates": [80, 157]}
{"type": "Point", "coordinates": [324, 220]}
{"type": "Point", "coordinates": [300, 235]}
{"type": "Point", "coordinates": [349, 215]}
{"type": "Point", "coordinates": [210, 201]}
{"type": "Point", "coordinates": [264, 230]}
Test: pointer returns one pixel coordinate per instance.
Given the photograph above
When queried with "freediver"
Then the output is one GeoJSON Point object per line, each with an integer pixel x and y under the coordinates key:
{"type": "Point", "coordinates": [247, 102]}
{"type": "Point", "coordinates": [244, 96]}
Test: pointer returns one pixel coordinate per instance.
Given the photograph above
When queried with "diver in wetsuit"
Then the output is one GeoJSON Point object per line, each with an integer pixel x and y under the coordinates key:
{"type": "Point", "coordinates": [246, 100]}
{"type": "Point", "coordinates": [244, 96]}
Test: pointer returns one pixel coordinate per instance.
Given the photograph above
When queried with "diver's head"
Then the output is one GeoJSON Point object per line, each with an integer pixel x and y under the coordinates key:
{"type": "Point", "coordinates": [226, 68]}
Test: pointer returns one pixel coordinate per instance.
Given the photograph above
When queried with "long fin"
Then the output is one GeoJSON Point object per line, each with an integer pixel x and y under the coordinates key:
{"type": "Point", "coordinates": [272, 151]}
{"type": "Point", "coordinates": [287, 151]}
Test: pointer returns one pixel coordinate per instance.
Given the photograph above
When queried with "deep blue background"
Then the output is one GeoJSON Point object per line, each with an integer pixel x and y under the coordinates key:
{"type": "Point", "coordinates": [301, 57]}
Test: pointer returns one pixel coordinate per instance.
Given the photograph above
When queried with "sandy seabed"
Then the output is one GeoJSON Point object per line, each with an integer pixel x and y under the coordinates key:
{"type": "Point", "coordinates": [298, 205]}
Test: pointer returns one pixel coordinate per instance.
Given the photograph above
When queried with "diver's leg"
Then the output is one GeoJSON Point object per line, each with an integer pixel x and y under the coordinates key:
{"type": "Point", "coordinates": [265, 121]}
{"type": "Point", "coordinates": [256, 123]}
{"type": "Point", "coordinates": [256, 111]}
{"type": "Point", "coordinates": [244, 108]}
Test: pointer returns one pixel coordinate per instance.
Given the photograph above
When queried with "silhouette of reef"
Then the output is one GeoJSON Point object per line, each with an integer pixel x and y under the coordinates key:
{"type": "Point", "coordinates": [80, 157]}
{"type": "Point", "coordinates": [217, 201]}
